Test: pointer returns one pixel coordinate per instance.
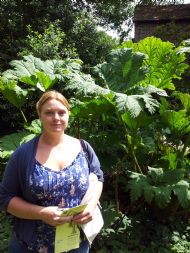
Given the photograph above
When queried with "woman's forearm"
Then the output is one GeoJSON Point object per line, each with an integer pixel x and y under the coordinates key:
{"type": "Point", "coordinates": [23, 209]}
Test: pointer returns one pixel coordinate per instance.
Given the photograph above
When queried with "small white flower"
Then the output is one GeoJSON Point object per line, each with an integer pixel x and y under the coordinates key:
{"type": "Point", "coordinates": [83, 179]}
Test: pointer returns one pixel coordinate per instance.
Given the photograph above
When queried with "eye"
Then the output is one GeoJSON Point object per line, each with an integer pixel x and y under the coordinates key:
{"type": "Point", "coordinates": [61, 113]}
{"type": "Point", "coordinates": [48, 113]}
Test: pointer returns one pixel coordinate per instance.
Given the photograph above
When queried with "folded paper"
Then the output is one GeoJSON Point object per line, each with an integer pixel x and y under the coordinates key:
{"type": "Point", "coordinates": [67, 235]}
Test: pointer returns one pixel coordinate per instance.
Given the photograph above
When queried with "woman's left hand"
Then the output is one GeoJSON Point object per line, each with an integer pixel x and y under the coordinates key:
{"type": "Point", "coordinates": [83, 217]}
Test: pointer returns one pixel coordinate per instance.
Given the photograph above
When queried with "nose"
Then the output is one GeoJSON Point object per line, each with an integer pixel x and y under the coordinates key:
{"type": "Point", "coordinates": [56, 116]}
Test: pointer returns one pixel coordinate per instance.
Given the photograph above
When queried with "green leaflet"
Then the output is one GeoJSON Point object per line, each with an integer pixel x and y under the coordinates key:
{"type": "Point", "coordinates": [35, 127]}
{"type": "Point", "coordinates": [84, 85]}
{"type": "Point", "coordinates": [159, 186]}
{"type": "Point", "coordinates": [137, 185]}
{"type": "Point", "coordinates": [94, 108]}
{"type": "Point", "coordinates": [177, 121]}
{"type": "Point", "coordinates": [184, 98]}
{"type": "Point", "coordinates": [163, 60]}
{"type": "Point", "coordinates": [13, 93]}
{"type": "Point", "coordinates": [123, 69]}
{"type": "Point", "coordinates": [162, 195]}
{"type": "Point", "coordinates": [136, 103]}
{"type": "Point", "coordinates": [182, 191]}
{"type": "Point", "coordinates": [40, 74]}
{"type": "Point", "coordinates": [9, 143]}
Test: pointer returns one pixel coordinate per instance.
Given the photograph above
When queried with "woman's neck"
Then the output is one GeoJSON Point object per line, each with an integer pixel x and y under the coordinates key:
{"type": "Point", "coordinates": [52, 139]}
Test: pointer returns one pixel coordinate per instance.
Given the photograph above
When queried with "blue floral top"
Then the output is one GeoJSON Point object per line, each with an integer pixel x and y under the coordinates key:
{"type": "Point", "coordinates": [64, 188]}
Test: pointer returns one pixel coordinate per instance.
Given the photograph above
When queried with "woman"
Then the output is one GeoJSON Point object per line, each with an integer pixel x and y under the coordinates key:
{"type": "Point", "coordinates": [46, 174]}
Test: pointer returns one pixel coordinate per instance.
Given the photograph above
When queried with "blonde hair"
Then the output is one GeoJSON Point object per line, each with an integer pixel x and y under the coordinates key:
{"type": "Point", "coordinates": [52, 94]}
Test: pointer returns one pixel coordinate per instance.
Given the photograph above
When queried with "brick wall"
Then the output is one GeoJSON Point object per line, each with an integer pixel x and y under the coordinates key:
{"type": "Point", "coordinates": [146, 29]}
{"type": "Point", "coordinates": [147, 20]}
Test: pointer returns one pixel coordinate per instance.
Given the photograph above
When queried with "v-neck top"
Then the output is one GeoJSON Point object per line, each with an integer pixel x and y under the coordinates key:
{"type": "Point", "coordinates": [64, 188]}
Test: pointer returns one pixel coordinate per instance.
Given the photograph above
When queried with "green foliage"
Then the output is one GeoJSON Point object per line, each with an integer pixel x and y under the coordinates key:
{"type": "Point", "coordinates": [32, 70]}
{"type": "Point", "coordinates": [92, 45]}
{"type": "Point", "coordinates": [142, 232]}
{"type": "Point", "coordinates": [47, 45]}
{"type": "Point", "coordinates": [5, 227]}
{"type": "Point", "coordinates": [145, 143]}
{"type": "Point", "coordinates": [172, 31]}
{"type": "Point", "coordinates": [160, 186]}
{"type": "Point", "coordinates": [122, 70]}
{"type": "Point", "coordinates": [54, 29]}
{"type": "Point", "coordinates": [116, 75]}
{"type": "Point", "coordinates": [138, 126]}
{"type": "Point", "coordinates": [9, 143]}
{"type": "Point", "coordinates": [147, 140]}
{"type": "Point", "coordinates": [38, 74]}
{"type": "Point", "coordinates": [177, 121]}
{"type": "Point", "coordinates": [13, 93]}
{"type": "Point", "coordinates": [164, 61]}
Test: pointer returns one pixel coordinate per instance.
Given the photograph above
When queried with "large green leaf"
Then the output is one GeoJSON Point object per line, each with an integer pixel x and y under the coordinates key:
{"type": "Point", "coordinates": [38, 73]}
{"type": "Point", "coordinates": [184, 98]}
{"type": "Point", "coordinates": [162, 195]}
{"type": "Point", "coordinates": [136, 185]}
{"type": "Point", "coordinates": [177, 121]}
{"type": "Point", "coordinates": [9, 143]}
{"type": "Point", "coordinates": [118, 70]}
{"type": "Point", "coordinates": [84, 85]}
{"type": "Point", "coordinates": [123, 69]}
{"type": "Point", "coordinates": [148, 193]}
{"type": "Point", "coordinates": [182, 191]}
{"type": "Point", "coordinates": [35, 127]}
{"type": "Point", "coordinates": [26, 67]}
{"type": "Point", "coordinates": [156, 175]}
{"type": "Point", "coordinates": [159, 185]}
{"type": "Point", "coordinates": [93, 109]}
{"type": "Point", "coordinates": [13, 93]}
{"type": "Point", "coordinates": [185, 47]}
{"type": "Point", "coordinates": [163, 60]}
{"type": "Point", "coordinates": [136, 103]}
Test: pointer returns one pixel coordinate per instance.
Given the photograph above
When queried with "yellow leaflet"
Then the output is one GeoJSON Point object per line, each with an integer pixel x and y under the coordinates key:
{"type": "Point", "coordinates": [67, 235]}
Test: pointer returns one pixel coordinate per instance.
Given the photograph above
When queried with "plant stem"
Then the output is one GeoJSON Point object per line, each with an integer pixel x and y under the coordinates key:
{"type": "Point", "coordinates": [116, 191]}
{"type": "Point", "coordinates": [25, 120]}
{"type": "Point", "coordinates": [136, 164]}
{"type": "Point", "coordinates": [135, 161]}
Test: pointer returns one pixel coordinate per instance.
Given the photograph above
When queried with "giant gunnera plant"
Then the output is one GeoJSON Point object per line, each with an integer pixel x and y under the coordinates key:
{"type": "Point", "coordinates": [132, 113]}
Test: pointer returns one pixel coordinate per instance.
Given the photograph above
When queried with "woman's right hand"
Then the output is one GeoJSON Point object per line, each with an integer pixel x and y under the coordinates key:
{"type": "Point", "coordinates": [26, 210]}
{"type": "Point", "coordinates": [52, 216]}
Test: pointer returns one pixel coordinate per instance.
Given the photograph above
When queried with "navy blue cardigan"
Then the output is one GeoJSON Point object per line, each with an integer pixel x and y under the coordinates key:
{"type": "Point", "coordinates": [15, 182]}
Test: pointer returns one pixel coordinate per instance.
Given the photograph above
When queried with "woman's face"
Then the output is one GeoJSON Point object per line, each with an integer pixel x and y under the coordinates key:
{"type": "Point", "coordinates": [54, 116]}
